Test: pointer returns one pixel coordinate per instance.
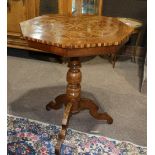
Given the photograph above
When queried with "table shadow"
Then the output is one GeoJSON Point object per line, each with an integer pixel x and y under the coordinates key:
{"type": "Point", "coordinates": [32, 105]}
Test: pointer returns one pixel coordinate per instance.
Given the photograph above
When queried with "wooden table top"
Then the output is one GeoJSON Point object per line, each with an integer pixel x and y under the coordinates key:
{"type": "Point", "coordinates": [74, 32]}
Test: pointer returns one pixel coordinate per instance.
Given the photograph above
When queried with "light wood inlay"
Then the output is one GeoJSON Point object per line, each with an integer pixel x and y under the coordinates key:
{"type": "Point", "coordinates": [75, 31]}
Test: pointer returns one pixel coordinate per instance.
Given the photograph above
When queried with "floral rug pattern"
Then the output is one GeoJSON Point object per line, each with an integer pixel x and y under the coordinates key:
{"type": "Point", "coordinates": [29, 137]}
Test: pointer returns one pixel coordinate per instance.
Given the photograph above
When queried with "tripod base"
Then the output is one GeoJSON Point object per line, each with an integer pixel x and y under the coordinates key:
{"type": "Point", "coordinates": [73, 102]}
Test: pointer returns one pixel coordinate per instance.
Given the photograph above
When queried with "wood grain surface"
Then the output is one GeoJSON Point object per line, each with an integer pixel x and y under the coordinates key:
{"type": "Point", "coordinates": [75, 31]}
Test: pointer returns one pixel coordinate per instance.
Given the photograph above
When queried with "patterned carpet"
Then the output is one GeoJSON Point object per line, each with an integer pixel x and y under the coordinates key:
{"type": "Point", "coordinates": [29, 137]}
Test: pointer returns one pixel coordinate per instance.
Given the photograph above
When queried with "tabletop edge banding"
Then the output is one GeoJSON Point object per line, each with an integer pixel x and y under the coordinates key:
{"type": "Point", "coordinates": [75, 52]}
{"type": "Point", "coordinates": [77, 46]}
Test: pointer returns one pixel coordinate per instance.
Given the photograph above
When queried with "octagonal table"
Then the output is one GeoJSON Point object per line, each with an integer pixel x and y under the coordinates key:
{"type": "Point", "coordinates": [75, 37]}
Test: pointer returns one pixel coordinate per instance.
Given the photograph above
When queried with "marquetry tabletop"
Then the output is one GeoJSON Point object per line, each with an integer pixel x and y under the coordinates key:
{"type": "Point", "coordinates": [72, 32]}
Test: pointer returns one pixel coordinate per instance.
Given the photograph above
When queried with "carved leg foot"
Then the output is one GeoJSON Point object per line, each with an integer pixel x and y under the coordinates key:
{"type": "Point", "coordinates": [59, 101]}
{"type": "Point", "coordinates": [93, 108]}
{"type": "Point", "coordinates": [65, 121]}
